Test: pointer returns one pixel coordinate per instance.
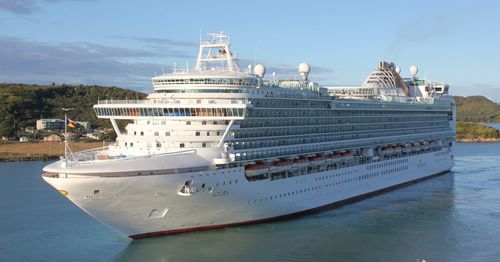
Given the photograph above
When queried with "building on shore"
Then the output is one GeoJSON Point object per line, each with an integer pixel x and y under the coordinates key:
{"type": "Point", "coordinates": [52, 138]}
{"type": "Point", "coordinates": [84, 125]}
{"type": "Point", "coordinates": [47, 124]}
{"type": "Point", "coordinates": [70, 135]}
{"type": "Point", "coordinates": [24, 139]}
{"type": "Point", "coordinates": [50, 124]}
{"type": "Point", "coordinates": [94, 136]}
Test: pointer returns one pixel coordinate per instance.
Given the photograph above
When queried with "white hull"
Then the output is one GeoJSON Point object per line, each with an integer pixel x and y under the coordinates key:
{"type": "Point", "coordinates": [140, 206]}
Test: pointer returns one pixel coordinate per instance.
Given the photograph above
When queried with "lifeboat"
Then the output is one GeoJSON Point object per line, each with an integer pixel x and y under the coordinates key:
{"type": "Point", "coordinates": [256, 169]}
{"type": "Point", "coordinates": [407, 148]}
{"type": "Point", "coordinates": [335, 156]}
{"type": "Point", "coordinates": [389, 150]}
{"type": "Point", "coordinates": [301, 162]}
{"type": "Point", "coordinates": [280, 165]}
{"type": "Point", "coordinates": [342, 156]}
{"type": "Point", "coordinates": [316, 160]}
{"type": "Point", "coordinates": [347, 156]}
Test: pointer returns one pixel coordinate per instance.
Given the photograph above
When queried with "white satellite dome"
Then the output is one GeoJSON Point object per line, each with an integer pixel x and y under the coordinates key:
{"type": "Point", "coordinates": [398, 69]}
{"type": "Point", "coordinates": [413, 70]}
{"type": "Point", "coordinates": [304, 70]}
{"type": "Point", "coordinates": [259, 70]}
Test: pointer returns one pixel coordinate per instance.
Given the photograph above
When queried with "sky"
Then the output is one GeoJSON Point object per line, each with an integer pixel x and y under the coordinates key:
{"type": "Point", "coordinates": [125, 43]}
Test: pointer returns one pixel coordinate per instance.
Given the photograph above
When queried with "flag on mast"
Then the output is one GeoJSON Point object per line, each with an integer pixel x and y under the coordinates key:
{"type": "Point", "coordinates": [71, 123]}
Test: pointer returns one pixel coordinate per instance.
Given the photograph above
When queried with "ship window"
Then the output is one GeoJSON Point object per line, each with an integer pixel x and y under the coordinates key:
{"type": "Point", "coordinates": [203, 122]}
{"type": "Point", "coordinates": [188, 122]}
{"type": "Point", "coordinates": [197, 133]}
{"type": "Point", "coordinates": [204, 145]}
{"type": "Point", "coordinates": [157, 133]}
{"type": "Point", "coordinates": [135, 133]}
{"type": "Point", "coordinates": [181, 145]}
{"type": "Point", "coordinates": [215, 122]}
{"type": "Point", "coordinates": [142, 133]}
{"type": "Point", "coordinates": [158, 144]}
{"type": "Point", "coordinates": [131, 144]}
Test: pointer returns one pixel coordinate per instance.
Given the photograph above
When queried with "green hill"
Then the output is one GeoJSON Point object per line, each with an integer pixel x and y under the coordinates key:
{"type": "Point", "coordinates": [477, 109]}
{"type": "Point", "coordinates": [22, 104]}
{"type": "Point", "coordinates": [469, 130]}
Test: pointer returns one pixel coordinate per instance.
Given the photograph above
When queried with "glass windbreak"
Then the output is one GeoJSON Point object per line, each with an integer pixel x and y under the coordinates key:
{"type": "Point", "coordinates": [176, 112]}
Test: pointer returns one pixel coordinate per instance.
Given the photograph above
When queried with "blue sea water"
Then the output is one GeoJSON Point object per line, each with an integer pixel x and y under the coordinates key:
{"type": "Point", "coordinates": [453, 217]}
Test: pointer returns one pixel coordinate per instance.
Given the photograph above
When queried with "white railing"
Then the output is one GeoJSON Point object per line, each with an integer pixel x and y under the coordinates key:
{"type": "Point", "coordinates": [173, 101]}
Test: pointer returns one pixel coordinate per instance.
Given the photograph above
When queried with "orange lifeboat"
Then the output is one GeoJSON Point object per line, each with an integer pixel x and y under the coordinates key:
{"type": "Point", "coordinates": [256, 169]}
{"type": "Point", "coordinates": [301, 162]}
{"type": "Point", "coordinates": [280, 165]}
{"type": "Point", "coordinates": [317, 160]}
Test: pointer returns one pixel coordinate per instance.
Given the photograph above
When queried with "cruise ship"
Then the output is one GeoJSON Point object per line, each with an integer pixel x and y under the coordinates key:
{"type": "Point", "coordinates": [220, 145]}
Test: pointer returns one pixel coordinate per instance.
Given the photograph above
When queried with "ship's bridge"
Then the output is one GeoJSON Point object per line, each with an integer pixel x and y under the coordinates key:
{"type": "Point", "coordinates": [216, 68]}
{"type": "Point", "coordinates": [197, 81]}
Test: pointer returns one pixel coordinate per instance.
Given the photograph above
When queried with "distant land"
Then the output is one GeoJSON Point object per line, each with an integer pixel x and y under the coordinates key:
{"type": "Point", "coordinates": [477, 109]}
{"type": "Point", "coordinates": [23, 104]}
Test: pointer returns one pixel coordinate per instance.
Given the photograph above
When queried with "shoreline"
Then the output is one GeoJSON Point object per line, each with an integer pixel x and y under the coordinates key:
{"type": "Point", "coordinates": [41, 151]}
{"type": "Point", "coordinates": [479, 140]}
{"type": "Point", "coordinates": [26, 158]}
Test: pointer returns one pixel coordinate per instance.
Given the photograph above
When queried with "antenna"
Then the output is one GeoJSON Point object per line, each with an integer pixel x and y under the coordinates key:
{"type": "Point", "coordinates": [255, 54]}
{"type": "Point", "coordinates": [200, 35]}
{"type": "Point", "coordinates": [66, 145]}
